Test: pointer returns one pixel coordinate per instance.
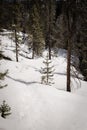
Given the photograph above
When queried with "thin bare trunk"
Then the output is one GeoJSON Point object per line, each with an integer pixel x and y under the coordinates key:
{"type": "Point", "coordinates": [49, 31]}
{"type": "Point", "coordinates": [33, 51]}
{"type": "Point", "coordinates": [68, 49]}
{"type": "Point", "coordinates": [49, 50]}
{"type": "Point", "coordinates": [16, 46]}
{"type": "Point", "coordinates": [68, 66]}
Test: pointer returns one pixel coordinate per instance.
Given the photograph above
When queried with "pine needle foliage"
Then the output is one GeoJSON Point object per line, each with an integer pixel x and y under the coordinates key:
{"type": "Point", "coordinates": [5, 109]}
{"type": "Point", "coordinates": [2, 75]}
{"type": "Point", "coordinates": [47, 72]}
{"type": "Point", "coordinates": [38, 39]}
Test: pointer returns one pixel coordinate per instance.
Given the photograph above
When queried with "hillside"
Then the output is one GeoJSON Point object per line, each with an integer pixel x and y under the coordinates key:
{"type": "Point", "coordinates": [35, 106]}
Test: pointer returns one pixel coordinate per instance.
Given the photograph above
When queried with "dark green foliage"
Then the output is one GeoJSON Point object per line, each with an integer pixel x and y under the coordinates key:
{"type": "Point", "coordinates": [49, 26]}
{"type": "Point", "coordinates": [2, 86]}
{"type": "Point", "coordinates": [46, 21]}
{"type": "Point", "coordinates": [60, 34]}
{"type": "Point", "coordinates": [38, 39]}
{"type": "Point", "coordinates": [82, 36]}
{"type": "Point", "coordinates": [2, 75]}
{"type": "Point", "coordinates": [84, 65]}
{"type": "Point", "coordinates": [47, 72]}
{"type": "Point", "coordinates": [5, 110]}
{"type": "Point", "coordinates": [4, 18]}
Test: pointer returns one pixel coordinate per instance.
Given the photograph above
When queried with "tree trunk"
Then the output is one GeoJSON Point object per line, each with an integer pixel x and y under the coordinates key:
{"type": "Point", "coordinates": [49, 30]}
{"type": "Point", "coordinates": [16, 46]}
{"type": "Point", "coordinates": [49, 49]}
{"type": "Point", "coordinates": [33, 50]}
{"type": "Point", "coordinates": [68, 48]}
{"type": "Point", "coordinates": [68, 65]}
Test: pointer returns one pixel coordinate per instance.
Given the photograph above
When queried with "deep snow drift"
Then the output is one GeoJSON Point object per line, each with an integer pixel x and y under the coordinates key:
{"type": "Point", "coordinates": [35, 106]}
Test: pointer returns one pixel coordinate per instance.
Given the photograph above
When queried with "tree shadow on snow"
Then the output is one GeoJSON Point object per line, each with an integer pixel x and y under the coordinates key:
{"type": "Point", "coordinates": [21, 81]}
{"type": "Point", "coordinates": [60, 73]}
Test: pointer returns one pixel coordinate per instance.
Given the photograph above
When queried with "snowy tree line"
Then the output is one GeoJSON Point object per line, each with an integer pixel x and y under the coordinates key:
{"type": "Point", "coordinates": [52, 24]}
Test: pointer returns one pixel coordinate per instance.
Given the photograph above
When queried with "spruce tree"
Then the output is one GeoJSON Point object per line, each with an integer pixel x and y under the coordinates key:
{"type": "Point", "coordinates": [36, 30]}
{"type": "Point", "coordinates": [5, 109]}
{"type": "Point", "coordinates": [47, 72]}
{"type": "Point", "coordinates": [2, 75]}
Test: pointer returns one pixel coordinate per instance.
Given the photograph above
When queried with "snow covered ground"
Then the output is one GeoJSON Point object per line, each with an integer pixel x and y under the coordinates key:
{"type": "Point", "coordinates": [35, 106]}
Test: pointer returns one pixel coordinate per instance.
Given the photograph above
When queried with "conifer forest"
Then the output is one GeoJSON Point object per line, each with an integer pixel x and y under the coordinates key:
{"type": "Point", "coordinates": [43, 54]}
{"type": "Point", "coordinates": [52, 24]}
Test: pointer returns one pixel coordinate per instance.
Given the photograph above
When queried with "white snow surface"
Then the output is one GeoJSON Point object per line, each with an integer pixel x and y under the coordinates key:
{"type": "Point", "coordinates": [35, 106]}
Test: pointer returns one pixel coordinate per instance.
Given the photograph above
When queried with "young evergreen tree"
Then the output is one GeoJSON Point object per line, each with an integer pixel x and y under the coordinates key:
{"type": "Point", "coordinates": [2, 75]}
{"type": "Point", "coordinates": [47, 72]}
{"type": "Point", "coordinates": [5, 109]}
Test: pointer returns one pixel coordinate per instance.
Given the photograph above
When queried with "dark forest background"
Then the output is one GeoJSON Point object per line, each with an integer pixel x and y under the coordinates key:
{"type": "Point", "coordinates": [52, 24]}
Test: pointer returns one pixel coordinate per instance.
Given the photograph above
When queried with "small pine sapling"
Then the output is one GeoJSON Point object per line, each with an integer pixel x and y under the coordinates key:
{"type": "Point", "coordinates": [5, 110]}
{"type": "Point", "coordinates": [2, 75]}
{"type": "Point", "coordinates": [47, 72]}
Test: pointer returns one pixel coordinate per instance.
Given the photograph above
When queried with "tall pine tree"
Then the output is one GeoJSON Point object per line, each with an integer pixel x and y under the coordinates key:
{"type": "Point", "coordinates": [49, 23]}
{"type": "Point", "coordinates": [36, 30]}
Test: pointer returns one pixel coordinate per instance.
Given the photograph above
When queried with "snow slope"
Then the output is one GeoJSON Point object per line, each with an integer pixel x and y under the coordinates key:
{"type": "Point", "coordinates": [40, 107]}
